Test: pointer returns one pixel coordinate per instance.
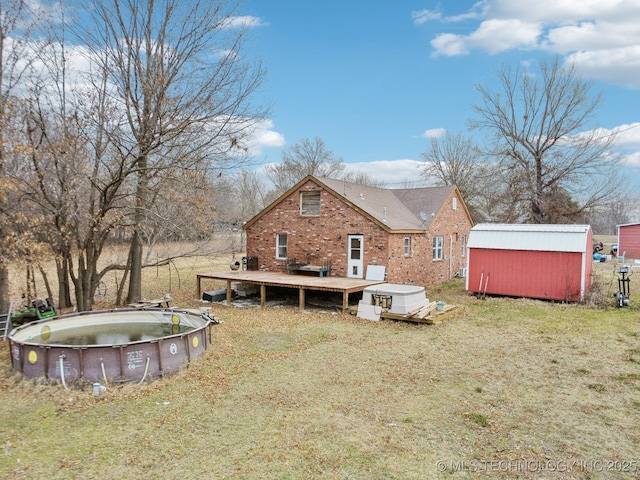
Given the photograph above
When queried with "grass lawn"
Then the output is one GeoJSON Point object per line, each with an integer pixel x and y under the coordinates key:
{"type": "Point", "coordinates": [507, 388]}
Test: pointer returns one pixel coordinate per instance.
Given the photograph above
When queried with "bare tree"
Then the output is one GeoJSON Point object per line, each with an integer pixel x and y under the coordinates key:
{"type": "Point", "coordinates": [177, 69]}
{"type": "Point", "coordinates": [456, 160]}
{"type": "Point", "coordinates": [308, 157]}
{"type": "Point", "coordinates": [542, 136]}
{"type": "Point", "coordinates": [252, 194]}
{"type": "Point", "coordinates": [67, 175]}
{"type": "Point", "coordinates": [311, 157]}
{"type": "Point", "coordinates": [453, 160]}
{"type": "Point", "coordinates": [68, 179]}
{"type": "Point", "coordinates": [17, 21]}
{"type": "Point", "coordinates": [616, 211]}
{"type": "Point", "coordinates": [363, 178]}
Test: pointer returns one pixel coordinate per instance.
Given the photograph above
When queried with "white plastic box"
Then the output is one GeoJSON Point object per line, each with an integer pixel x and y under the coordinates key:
{"type": "Point", "coordinates": [403, 298]}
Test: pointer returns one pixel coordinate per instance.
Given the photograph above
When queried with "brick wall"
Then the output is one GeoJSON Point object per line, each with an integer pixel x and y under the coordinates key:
{"type": "Point", "coordinates": [419, 267]}
{"type": "Point", "coordinates": [312, 239]}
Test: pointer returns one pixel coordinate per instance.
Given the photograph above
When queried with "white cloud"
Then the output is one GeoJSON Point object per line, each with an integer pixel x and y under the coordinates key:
{"type": "Point", "coordinates": [631, 160]}
{"type": "Point", "coordinates": [602, 38]}
{"type": "Point", "coordinates": [561, 11]}
{"type": "Point", "coordinates": [494, 36]}
{"type": "Point", "coordinates": [626, 143]}
{"type": "Point", "coordinates": [450, 45]}
{"type": "Point", "coordinates": [618, 65]}
{"type": "Point", "coordinates": [500, 35]}
{"type": "Point", "coordinates": [434, 133]}
{"type": "Point", "coordinates": [264, 136]}
{"type": "Point", "coordinates": [475, 12]}
{"type": "Point", "coordinates": [424, 16]}
{"type": "Point", "coordinates": [628, 136]}
{"type": "Point", "coordinates": [394, 173]}
{"type": "Point", "coordinates": [244, 21]}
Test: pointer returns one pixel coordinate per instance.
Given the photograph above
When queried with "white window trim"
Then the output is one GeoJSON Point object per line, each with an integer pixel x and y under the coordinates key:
{"type": "Point", "coordinates": [407, 246]}
{"type": "Point", "coordinates": [280, 236]}
{"type": "Point", "coordinates": [438, 251]}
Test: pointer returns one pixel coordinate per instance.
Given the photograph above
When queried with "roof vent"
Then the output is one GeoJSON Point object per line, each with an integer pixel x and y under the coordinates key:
{"type": "Point", "coordinates": [384, 214]}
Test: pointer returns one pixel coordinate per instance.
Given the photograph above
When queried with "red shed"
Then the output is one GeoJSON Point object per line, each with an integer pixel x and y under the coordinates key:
{"type": "Point", "coordinates": [551, 262]}
{"type": "Point", "coordinates": [629, 240]}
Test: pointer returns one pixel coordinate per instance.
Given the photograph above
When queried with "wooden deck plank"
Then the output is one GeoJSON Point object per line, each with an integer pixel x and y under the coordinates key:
{"type": "Point", "coordinates": [343, 285]}
{"type": "Point", "coordinates": [431, 319]}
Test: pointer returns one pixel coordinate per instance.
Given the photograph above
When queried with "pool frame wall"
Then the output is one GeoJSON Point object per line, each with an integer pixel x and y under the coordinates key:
{"type": "Point", "coordinates": [129, 362]}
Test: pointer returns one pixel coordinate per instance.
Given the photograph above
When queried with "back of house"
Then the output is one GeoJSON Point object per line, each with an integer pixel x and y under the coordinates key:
{"type": "Point", "coordinates": [418, 235]}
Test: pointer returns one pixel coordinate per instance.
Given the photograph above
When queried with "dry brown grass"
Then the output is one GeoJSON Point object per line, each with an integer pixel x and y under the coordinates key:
{"type": "Point", "coordinates": [177, 278]}
{"type": "Point", "coordinates": [504, 389]}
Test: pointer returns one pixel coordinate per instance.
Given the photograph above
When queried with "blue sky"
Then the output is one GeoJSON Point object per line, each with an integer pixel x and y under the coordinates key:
{"type": "Point", "coordinates": [375, 80]}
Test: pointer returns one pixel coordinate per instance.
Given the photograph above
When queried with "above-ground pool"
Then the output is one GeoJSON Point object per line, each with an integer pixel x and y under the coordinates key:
{"type": "Point", "coordinates": [109, 346]}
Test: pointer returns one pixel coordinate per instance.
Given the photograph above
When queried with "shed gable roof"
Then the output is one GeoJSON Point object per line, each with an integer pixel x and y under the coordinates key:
{"type": "Point", "coordinates": [392, 209]}
{"type": "Point", "coordinates": [545, 237]}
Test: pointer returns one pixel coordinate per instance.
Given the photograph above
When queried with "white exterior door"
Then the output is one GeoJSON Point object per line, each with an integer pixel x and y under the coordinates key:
{"type": "Point", "coordinates": [355, 262]}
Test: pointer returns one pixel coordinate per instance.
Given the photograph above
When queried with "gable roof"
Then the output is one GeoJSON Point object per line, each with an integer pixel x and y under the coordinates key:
{"type": "Point", "coordinates": [392, 209]}
{"type": "Point", "coordinates": [398, 209]}
{"type": "Point", "coordinates": [535, 237]}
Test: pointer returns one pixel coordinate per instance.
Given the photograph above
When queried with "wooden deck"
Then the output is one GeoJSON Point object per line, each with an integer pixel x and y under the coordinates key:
{"type": "Point", "coordinates": [301, 282]}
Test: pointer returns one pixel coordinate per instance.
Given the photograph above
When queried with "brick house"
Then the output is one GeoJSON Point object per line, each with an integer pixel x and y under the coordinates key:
{"type": "Point", "coordinates": [418, 234]}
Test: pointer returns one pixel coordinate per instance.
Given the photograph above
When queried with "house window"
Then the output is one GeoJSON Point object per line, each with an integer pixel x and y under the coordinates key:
{"type": "Point", "coordinates": [281, 246]}
{"type": "Point", "coordinates": [310, 203]}
{"type": "Point", "coordinates": [407, 245]}
{"type": "Point", "coordinates": [463, 245]}
{"type": "Point", "coordinates": [437, 247]}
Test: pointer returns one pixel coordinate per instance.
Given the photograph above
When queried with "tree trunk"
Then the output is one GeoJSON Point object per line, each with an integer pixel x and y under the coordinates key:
{"type": "Point", "coordinates": [79, 282]}
{"type": "Point", "coordinates": [135, 250]}
{"type": "Point", "coordinates": [64, 287]}
{"type": "Point", "coordinates": [123, 282]}
{"type": "Point", "coordinates": [85, 283]}
{"type": "Point", "coordinates": [4, 285]}
{"type": "Point", "coordinates": [45, 279]}
{"type": "Point", "coordinates": [4, 261]}
{"type": "Point", "coordinates": [135, 271]}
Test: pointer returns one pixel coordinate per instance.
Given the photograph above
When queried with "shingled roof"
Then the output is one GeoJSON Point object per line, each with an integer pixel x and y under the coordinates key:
{"type": "Point", "coordinates": [393, 209]}
{"type": "Point", "coordinates": [398, 209]}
